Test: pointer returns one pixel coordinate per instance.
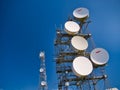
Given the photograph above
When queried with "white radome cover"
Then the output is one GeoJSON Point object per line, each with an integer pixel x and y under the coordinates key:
{"type": "Point", "coordinates": [82, 66]}
{"type": "Point", "coordinates": [79, 43]}
{"type": "Point", "coordinates": [71, 27]}
{"type": "Point", "coordinates": [81, 12]}
{"type": "Point", "coordinates": [43, 83]}
{"type": "Point", "coordinates": [41, 69]}
{"type": "Point", "coordinates": [99, 56]}
{"type": "Point", "coordinates": [41, 54]}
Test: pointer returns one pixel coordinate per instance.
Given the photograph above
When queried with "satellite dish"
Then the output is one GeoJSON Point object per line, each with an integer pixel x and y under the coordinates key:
{"type": "Point", "coordinates": [72, 27]}
{"type": "Point", "coordinates": [81, 13]}
{"type": "Point", "coordinates": [41, 69]}
{"type": "Point", "coordinates": [79, 43]}
{"type": "Point", "coordinates": [82, 66]}
{"type": "Point", "coordinates": [99, 56]}
{"type": "Point", "coordinates": [43, 83]}
{"type": "Point", "coordinates": [112, 89]}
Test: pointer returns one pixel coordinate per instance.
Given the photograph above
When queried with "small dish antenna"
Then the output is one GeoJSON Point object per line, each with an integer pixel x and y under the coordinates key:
{"type": "Point", "coordinates": [43, 83]}
{"type": "Point", "coordinates": [41, 70]}
{"type": "Point", "coordinates": [42, 55]}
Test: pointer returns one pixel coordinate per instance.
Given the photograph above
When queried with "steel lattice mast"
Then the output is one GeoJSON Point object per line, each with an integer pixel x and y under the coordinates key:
{"type": "Point", "coordinates": [43, 76]}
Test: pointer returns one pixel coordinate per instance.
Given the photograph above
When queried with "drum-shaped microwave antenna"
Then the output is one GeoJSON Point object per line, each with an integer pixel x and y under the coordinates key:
{"type": "Point", "coordinates": [82, 66]}
{"type": "Point", "coordinates": [41, 69]}
{"type": "Point", "coordinates": [99, 56]}
{"type": "Point", "coordinates": [72, 27]}
{"type": "Point", "coordinates": [42, 55]}
{"type": "Point", "coordinates": [81, 13]}
{"type": "Point", "coordinates": [79, 43]}
{"type": "Point", "coordinates": [43, 83]}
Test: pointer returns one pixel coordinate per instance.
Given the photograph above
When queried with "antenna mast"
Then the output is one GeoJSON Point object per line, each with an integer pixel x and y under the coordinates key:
{"type": "Point", "coordinates": [43, 76]}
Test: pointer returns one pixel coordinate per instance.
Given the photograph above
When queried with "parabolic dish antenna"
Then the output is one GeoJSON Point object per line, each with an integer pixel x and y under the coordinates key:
{"type": "Point", "coordinates": [42, 55]}
{"type": "Point", "coordinates": [41, 69]}
{"type": "Point", "coordinates": [99, 56]}
{"type": "Point", "coordinates": [82, 66]}
{"type": "Point", "coordinates": [79, 43]}
{"type": "Point", "coordinates": [43, 83]}
{"type": "Point", "coordinates": [81, 13]}
{"type": "Point", "coordinates": [72, 27]}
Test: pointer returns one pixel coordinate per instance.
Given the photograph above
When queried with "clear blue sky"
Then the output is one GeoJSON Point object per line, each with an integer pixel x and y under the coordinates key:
{"type": "Point", "coordinates": [28, 26]}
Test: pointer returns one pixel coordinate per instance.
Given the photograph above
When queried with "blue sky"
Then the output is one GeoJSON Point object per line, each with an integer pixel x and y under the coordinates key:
{"type": "Point", "coordinates": [28, 26]}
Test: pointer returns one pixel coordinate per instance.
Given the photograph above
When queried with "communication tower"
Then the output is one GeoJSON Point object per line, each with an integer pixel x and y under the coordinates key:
{"type": "Point", "coordinates": [43, 76]}
{"type": "Point", "coordinates": [80, 65]}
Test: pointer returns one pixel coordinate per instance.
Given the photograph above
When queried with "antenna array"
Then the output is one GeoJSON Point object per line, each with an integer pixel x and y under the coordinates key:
{"type": "Point", "coordinates": [79, 64]}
